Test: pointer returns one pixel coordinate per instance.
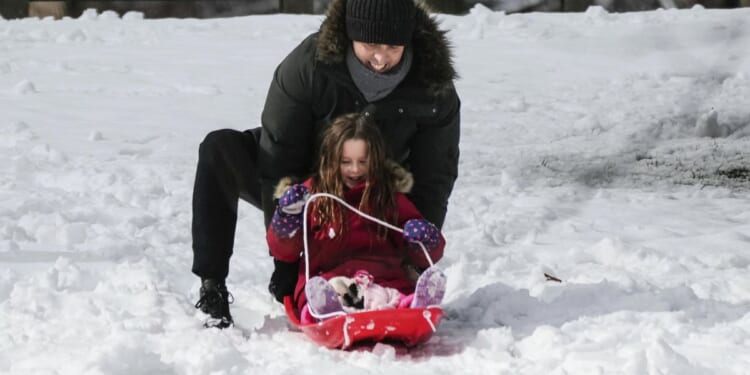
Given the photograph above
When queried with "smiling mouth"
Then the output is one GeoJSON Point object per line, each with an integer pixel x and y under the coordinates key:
{"type": "Point", "coordinates": [378, 67]}
{"type": "Point", "coordinates": [355, 181]}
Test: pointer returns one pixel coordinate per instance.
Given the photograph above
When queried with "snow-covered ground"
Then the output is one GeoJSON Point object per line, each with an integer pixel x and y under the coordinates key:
{"type": "Point", "coordinates": [609, 150]}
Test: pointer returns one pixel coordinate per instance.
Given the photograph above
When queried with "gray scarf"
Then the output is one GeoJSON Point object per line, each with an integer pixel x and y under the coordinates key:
{"type": "Point", "coordinates": [376, 86]}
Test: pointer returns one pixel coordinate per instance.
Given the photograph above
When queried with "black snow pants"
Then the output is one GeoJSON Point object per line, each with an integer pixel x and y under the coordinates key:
{"type": "Point", "coordinates": [227, 171]}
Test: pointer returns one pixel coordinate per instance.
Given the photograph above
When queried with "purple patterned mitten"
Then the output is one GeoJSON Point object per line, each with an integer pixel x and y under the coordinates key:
{"type": "Point", "coordinates": [423, 231]}
{"type": "Point", "coordinates": [293, 200]}
{"type": "Point", "coordinates": [287, 218]}
{"type": "Point", "coordinates": [285, 225]}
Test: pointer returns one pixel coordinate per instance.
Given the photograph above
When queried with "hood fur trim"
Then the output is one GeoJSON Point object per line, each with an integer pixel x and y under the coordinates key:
{"type": "Point", "coordinates": [284, 183]}
{"type": "Point", "coordinates": [433, 60]}
{"type": "Point", "coordinates": [402, 179]}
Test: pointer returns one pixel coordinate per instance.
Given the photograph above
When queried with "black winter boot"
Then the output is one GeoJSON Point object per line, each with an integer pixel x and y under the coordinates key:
{"type": "Point", "coordinates": [214, 301]}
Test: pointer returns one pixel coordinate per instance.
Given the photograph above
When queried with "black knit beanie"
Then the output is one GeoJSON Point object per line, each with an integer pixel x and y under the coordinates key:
{"type": "Point", "coordinates": [381, 21]}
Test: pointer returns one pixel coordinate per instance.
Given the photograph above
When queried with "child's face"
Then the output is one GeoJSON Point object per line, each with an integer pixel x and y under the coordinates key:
{"type": "Point", "coordinates": [354, 162]}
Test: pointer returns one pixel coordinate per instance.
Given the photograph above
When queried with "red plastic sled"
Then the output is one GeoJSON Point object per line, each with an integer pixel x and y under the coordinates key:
{"type": "Point", "coordinates": [409, 326]}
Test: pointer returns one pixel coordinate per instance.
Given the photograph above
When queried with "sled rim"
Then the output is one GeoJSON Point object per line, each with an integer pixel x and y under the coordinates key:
{"type": "Point", "coordinates": [406, 326]}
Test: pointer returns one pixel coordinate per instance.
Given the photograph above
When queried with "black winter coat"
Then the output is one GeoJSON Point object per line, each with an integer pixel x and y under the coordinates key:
{"type": "Point", "coordinates": [419, 119]}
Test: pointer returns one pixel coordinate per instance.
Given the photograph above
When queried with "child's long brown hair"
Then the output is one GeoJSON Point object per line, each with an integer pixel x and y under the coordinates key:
{"type": "Point", "coordinates": [378, 198]}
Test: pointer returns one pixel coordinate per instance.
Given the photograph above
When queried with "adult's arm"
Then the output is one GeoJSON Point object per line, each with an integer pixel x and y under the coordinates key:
{"type": "Point", "coordinates": [287, 119]}
{"type": "Point", "coordinates": [433, 159]}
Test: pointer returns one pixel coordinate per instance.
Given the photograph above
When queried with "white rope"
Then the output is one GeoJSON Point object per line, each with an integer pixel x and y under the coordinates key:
{"type": "Point", "coordinates": [360, 213]}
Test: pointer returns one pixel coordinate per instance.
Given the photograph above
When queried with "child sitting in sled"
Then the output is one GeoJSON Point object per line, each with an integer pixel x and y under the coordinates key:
{"type": "Point", "coordinates": [356, 264]}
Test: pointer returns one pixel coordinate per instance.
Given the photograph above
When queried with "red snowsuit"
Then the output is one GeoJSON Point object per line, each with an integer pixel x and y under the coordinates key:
{"type": "Point", "coordinates": [334, 256]}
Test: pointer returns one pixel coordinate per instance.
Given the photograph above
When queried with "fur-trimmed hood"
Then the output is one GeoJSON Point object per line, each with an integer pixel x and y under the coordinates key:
{"type": "Point", "coordinates": [433, 62]}
{"type": "Point", "coordinates": [402, 179]}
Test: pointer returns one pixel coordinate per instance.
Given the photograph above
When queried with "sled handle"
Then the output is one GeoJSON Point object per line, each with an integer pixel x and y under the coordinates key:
{"type": "Point", "coordinates": [360, 213]}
